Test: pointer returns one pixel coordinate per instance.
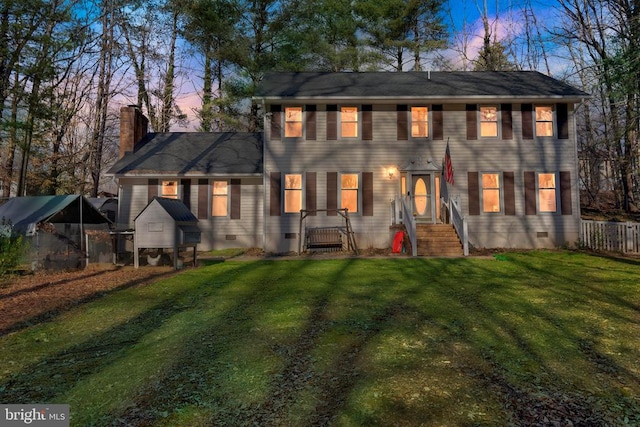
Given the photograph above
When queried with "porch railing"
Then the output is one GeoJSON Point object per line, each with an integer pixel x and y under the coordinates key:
{"type": "Point", "coordinates": [460, 224]}
{"type": "Point", "coordinates": [401, 214]}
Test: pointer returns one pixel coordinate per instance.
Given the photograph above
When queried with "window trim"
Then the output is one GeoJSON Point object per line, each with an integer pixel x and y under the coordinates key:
{"type": "Point", "coordinates": [285, 190]}
{"type": "Point", "coordinates": [555, 190]}
{"type": "Point", "coordinates": [301, 122]}
{"type": "Point", "coordinates": [500, 189]}
{"type": "Point", "coordinates": [427, 120]}
{"type": "Point", "coordinates": [178, 189]}
{"type": "Point", "coordinates": [552, 122]}
{"type": "Point", "coordinates": [498, 121]}
{"type": "Point", "coordinates": [358, 121]}
{"type": "Point", "coordinates": [213, 197]}
{"type": "Point", "coordinates": [358, 192]}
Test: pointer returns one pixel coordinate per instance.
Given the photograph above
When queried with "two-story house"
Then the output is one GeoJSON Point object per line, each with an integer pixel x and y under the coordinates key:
{"type": "Point", "coordinates": [371, 142]}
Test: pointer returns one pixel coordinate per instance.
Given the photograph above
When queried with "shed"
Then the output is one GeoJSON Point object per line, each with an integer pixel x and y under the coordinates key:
{"type": "Point", "coordinates": [165, 223]}
{"type": "Point", "coordinates": [57, 228]}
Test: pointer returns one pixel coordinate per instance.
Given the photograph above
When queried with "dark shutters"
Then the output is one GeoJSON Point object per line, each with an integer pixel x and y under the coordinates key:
{"type": "Point", "coordinates": [332, 122]}
{"type": "Point", "coordinates": [186, 192]}
{"type": "Point", "coordinates": [310, 192]}
{"type": "Point", "coordinates": [473, 189]}
{"type": "Point", "coordinates": [276, 122]}
{"type": "Point", "coordinates": [367, 122]}
{"type": "Point", "coordinates": [332, 193]}
{"type": "Point", "coordinates": [403, 122]}
{"type": "Point", "coordinates": [507, 121]}
{"type": "Point", "coordinates": [472, 122]}
{"type": "Point", "coordinates": [530, 193]}
{"type": "Point", "coordinates": [310, 122]}
{"type": "Point", "coordinates": [438, 122]}
{"type": "Point", "coordinates": [509, 193]}
{"type": "Point", "coordinates": [562, 115]}
{"type": "Point", "coordinates": [152, 189]}
{"type": "Point", "coordinates": [275, 205]}
{"type": "Point", "coordinates": [235, 198]}
{"type": "Point", "coordinates": [203, 198]}
{"type": "Point", "coordinates": [527, 121]}
{"type": "Point", "coordinates": [367, 193]}
{"type": "Point", "coordinates": [565, 193]}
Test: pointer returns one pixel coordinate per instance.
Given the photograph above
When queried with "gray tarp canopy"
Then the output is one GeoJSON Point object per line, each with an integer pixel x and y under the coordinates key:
{"type": "Point", "coordinates": [25, 213]}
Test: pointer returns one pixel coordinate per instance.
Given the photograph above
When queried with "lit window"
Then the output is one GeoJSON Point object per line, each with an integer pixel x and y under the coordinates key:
{"type": "Point", "coordinates": [170, 189]}
{"type": "Point", "coordinates": [220, 198]}
{"type": "Point", "coordinates": [547, 192]}
{"type": "Point", "coordinates": [419, 122]}
{"type": "Point", "coordinates": [489, 121]}
{"type": "Point", "coordinates": [349, 121]}
{"type": "Point", "coordinates": [292, 193]}
{"type": "Point", "coordinates": [490, 192]}
{"type": "Point", "coordinates": [293, 122]}
{"type": "Point", "coordinates": [349, 192]}
{"type": "Point", "coordinates": [544, 121]}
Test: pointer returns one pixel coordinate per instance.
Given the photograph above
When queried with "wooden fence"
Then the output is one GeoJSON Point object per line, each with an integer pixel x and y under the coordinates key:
{"type": "Point", "coordinates": [610, 236]}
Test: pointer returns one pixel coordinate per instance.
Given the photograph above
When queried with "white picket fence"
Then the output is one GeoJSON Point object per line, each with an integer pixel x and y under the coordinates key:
{"type": "Point", "coordinates": [610, 236]}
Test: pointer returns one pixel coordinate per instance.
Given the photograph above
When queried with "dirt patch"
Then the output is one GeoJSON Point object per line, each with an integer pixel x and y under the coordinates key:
{"type": "Point", "coordinates": [35, 297]}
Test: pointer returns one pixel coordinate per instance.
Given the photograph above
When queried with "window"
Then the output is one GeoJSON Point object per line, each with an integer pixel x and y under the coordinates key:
{"type": "Point", "coordinates": [292, 193]}
{"type": "Point", "coordinates": [544, 121]}
{"type": "Point", "coordinates": [292, 122]}
{"type": "Point", "coordinates": [219, 198]}
{"type": "Point", "coordinates": [491, 192]}
{"type": "Point", "coordinates": [419, 122]}
{"type": "Point", "coordinates": [349, 122]}
{"type": "Point", "coordinates": [547, 192]}
{"type": "Point", "coordinates": [170, 189]}
{"type": "Point", "coordinates": [489, 121]}
{"type": "Point", "coordinates": [349, 192]}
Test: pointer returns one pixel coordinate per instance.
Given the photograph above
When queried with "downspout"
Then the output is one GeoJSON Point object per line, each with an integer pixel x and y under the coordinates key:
{"type": "Point", "coordinates": [264, 178]}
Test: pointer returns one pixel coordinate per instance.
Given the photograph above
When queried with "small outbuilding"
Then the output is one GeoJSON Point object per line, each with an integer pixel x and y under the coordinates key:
{"type": "Point", "coordinates": [61, 231]}
{"type": "Point", "coordinates": [165, 223]}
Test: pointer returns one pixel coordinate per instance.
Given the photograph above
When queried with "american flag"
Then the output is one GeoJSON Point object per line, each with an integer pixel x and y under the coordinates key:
{"type": "Point", "coordinates": [448, 167]}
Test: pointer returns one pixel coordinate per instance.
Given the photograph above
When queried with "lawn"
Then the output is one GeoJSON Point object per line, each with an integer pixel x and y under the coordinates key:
{"type": "Point", "coordinates": [517, 339]}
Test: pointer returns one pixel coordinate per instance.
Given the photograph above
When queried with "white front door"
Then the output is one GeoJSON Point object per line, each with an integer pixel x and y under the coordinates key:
{"type": "Point", "coordinates": [422, 196]}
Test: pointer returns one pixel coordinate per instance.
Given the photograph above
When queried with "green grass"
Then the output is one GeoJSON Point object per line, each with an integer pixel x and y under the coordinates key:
{"type": "Point", "coordinates": [349, 342]}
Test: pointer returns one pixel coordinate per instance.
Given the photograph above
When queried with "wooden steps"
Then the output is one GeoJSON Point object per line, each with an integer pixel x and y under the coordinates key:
{"type": "Point", "coordinates": [438, 240]}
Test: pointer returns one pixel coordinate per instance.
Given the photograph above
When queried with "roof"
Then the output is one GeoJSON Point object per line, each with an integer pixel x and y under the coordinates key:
{"type": "Point", "coordinates": [412, 85]}
{"type": "Point", "coordinates": [193, 153]}
{"type": "Point", "coordinates": [176, 209]}
{"type": "Point", "coordinates": [26, 212]}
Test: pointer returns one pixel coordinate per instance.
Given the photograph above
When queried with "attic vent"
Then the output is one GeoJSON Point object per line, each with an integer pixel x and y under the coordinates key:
{"type": "Point", "coordinates": [290, 235]}
{"type": "Point", "coordinates": [540, 234]}
{"type": "Point", "coordinates": [230, 237]}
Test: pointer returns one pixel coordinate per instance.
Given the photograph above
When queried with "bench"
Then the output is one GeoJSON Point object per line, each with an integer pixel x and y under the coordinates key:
{"type": "Point", "coordinates": [328, 238]}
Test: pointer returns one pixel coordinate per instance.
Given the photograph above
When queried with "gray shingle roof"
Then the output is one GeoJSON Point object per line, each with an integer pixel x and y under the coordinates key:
{"type": "Point", "coordinates": [193, 153]}
{"type": "Point", "coordinates": [457, 84]}
{"type": "Point", "coordinates": [175, 208]}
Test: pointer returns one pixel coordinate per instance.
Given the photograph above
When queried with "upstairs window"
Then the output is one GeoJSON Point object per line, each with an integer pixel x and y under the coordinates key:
{"type": "Point", "coordinates": [293, 122]}
{"type": "Point", "coordinates": [419, 122]}
{"type": "Point", "coordinates": [490, 192]}
{"type": "Point", "coordinates": [547, 201]}
{"type": "Point", "coordinates": [489, 121]}
{"type": "Point", "coordinates": [219, 198]}
{"type": "Point", "coordinates": [349, 192]}
{"type": "Point", "coordinates": [349, 122]}
{"type": "Point", "coordinates": [292, 193]}
{"type": "Point", "coordinates": [170, 189]}
{"type": "Point", "coordinates": [544, 120]}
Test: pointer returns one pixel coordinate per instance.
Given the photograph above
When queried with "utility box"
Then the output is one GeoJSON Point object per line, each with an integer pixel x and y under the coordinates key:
{"type": "Point", "coordinates": [165, 223]}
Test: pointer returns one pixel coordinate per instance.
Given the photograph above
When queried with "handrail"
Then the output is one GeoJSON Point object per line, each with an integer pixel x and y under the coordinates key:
{"type": "Point", "coordinates": [460, 224]}
{"type": "Point", "coordinates": [409, 224]}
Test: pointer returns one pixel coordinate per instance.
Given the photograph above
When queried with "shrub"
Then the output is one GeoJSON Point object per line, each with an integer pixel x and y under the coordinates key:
{"type": "Point", "coordinates": [12, 248]}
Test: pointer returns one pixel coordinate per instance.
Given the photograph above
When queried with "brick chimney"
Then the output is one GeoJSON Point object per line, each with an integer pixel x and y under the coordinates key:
{"type": "Point", "coordinates": [133, 127]}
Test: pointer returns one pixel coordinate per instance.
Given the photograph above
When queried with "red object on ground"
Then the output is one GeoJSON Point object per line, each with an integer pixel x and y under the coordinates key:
{"type": "Point", "coordinates": [397, 242]}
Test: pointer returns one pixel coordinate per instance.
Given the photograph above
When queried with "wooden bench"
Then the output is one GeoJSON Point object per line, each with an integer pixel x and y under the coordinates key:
{"type": "Point", "coordinates": [327, 238]}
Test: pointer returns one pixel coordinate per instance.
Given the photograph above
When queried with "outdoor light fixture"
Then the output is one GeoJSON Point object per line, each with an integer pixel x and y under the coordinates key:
{"type": "Point", "coordinates": [391, 171]}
